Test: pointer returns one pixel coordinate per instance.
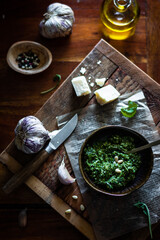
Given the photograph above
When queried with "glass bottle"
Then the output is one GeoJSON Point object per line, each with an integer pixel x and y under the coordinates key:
{"type": "Point", "coordinates": [119, 18]}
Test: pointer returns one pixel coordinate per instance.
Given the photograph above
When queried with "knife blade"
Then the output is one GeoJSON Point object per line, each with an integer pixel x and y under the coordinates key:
{"type": "Point", "coordinates": [62, 135]}
{"type": "Point", "coordinates": [34, 164]}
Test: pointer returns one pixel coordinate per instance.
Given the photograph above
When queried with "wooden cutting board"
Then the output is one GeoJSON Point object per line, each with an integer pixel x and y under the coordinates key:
{"type": "Point", "coordinates": [102, 61]}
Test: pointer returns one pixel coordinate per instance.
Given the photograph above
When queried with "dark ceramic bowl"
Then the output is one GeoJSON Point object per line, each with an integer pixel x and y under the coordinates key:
{"type": "Point", "coordinates": [143, 172]}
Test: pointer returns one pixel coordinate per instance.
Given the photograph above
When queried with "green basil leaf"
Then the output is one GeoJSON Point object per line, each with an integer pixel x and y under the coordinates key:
{"type": "Point", "coordinates": [129, 111]}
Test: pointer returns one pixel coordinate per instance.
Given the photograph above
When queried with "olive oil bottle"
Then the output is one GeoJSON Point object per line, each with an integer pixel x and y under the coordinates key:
{"type": "Point", "coordinates": [119, 18]}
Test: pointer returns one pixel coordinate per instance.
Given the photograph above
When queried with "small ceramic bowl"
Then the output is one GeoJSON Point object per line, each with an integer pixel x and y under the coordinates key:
{"type": "Point", "coordinates": [41, 51]}
{"type": "Point", "coordinates": [143, 172]}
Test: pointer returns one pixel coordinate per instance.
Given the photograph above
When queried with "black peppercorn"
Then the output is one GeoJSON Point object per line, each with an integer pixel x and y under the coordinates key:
{"type": "Point", "coordinates": [28, 60]}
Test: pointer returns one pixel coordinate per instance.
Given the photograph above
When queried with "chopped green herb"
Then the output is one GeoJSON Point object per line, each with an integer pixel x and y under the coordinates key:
{"type": "Point", "coordinates": [145, 209]}
{"type": "Point", "coordinates": [129, 111]}
{"type": "Point", "coordinates": [57, 79]}
{"type": "Point", "coordinates": [106, 163]}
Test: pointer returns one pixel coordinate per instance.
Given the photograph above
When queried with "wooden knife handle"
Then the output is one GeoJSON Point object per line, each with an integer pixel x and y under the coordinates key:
{"type": "Point", "coordinates": [25, 171]}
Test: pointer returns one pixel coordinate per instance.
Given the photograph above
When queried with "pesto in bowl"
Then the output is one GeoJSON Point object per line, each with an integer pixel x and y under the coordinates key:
{"type": "Point", "coordinates": [107, 168]}
{"type": "Point", "coordinates": [107, 164]}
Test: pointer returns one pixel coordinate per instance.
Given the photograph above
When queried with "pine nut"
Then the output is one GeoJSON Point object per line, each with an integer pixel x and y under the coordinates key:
{"type": "Point", "coordinates": [116, 158]}
{"type": "Point", "coordinates": [68, 211]}
{"type": "Point", "coordinates": [75, 197]}
{"type": "Point", "coordinates": [82, 207]}
{"type": "Point", "coordinates": [120, 161]}
{"type": "Point", "coordinates": [117, 170]}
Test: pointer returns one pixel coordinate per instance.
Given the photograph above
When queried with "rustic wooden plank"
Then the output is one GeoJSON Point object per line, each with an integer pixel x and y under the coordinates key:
{"type": "Point", "coordinates": [26, 198]}
{"type": "Point", "coordinates": [49, 197]}
{"type": "Point", "coordinates": [123, 82]}
{"type": "Point", "coordinates": [136, 73]}
{"type": "Point", "coordinates": [153, 104]}
{"type": "Point", "coordinates": [145, 82]}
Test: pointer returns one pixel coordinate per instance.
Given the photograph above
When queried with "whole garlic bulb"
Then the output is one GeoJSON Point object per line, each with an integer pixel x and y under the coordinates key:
{"type": "Point", "coordinates": [30, 135]}
{"type": "Point", "coordinates": [57, 22]}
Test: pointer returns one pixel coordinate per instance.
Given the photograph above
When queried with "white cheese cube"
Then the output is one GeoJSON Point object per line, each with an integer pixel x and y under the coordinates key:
{"type": "Point", "coordinates": [106, 94]}
{"type": "Point", "coordinates": [100, 81]}
{"type": "Point", "coordinates": [81, 86]}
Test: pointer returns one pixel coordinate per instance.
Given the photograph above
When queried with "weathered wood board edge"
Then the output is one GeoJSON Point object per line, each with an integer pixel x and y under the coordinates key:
{"type": "Point", "coordinates": [50, 198]}
{"type": "Point", "coordinates": [138, 74]}
{"type": "Point", "coordinates": [149, 86]}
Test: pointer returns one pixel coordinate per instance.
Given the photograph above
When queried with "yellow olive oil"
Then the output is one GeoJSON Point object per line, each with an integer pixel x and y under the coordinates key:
{"type": "Point", "coordinates": [119, 18]}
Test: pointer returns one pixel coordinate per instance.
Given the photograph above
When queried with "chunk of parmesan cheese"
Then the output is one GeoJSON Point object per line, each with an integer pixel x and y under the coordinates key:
{"type": "Point", "coordinates": [106, 94]}
{"type": "Point", "coordinates": [80, 86]}
{"type": "Point", "coordinates": [100, 81]}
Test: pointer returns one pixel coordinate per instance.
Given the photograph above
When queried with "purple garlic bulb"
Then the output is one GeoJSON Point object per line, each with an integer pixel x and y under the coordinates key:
{"type": "Point", "coordinates": [57, 21]}
{"type": "Point", "coordinates": [30, 135]}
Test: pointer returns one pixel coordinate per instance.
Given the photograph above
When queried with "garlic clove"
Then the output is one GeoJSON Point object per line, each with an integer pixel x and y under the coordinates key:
{"type": "Point", "coordinates": [63, 175]}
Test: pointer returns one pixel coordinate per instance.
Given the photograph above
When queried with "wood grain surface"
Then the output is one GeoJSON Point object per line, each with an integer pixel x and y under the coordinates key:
{"type": "Point", "coordinates": [20, 95]}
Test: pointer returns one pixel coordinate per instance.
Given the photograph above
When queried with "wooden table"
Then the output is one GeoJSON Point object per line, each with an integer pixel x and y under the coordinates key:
{"type": "Point", "coordinates": [20, 95]}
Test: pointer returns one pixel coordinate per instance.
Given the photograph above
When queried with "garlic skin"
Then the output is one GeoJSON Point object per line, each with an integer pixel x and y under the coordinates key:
{"type": "Point", "coordinates": [57, 22]}
{"type": "Point", "coordinates": [63, 175]}
{"type": "Point", "coordinates": [30, 135]}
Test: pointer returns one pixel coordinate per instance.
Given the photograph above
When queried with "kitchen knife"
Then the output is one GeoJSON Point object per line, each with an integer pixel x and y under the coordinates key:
{"type": "Point", "coordinates": [34, 164]}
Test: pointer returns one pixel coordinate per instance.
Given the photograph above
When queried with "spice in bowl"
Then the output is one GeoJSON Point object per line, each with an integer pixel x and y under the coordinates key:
{"type": "Point", "coordinates": [28, 60]}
